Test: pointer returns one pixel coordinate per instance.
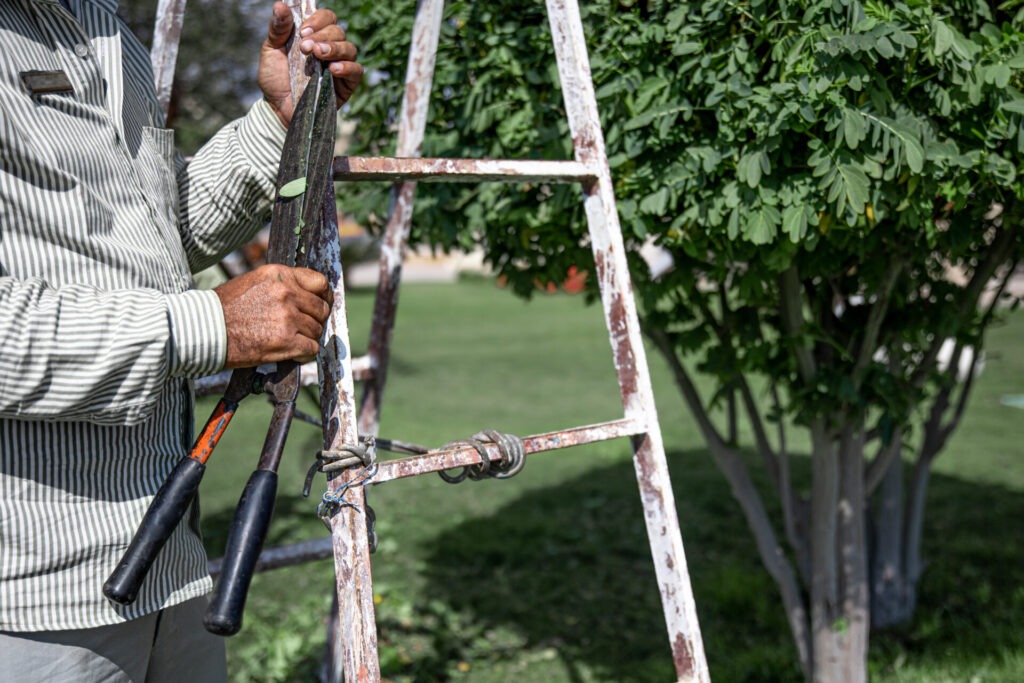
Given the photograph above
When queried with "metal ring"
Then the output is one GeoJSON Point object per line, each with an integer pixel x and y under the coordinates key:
{"type": "Point", "coordinates": [476, 471]}
{"type": "Point", "coordinates": [515, 456]}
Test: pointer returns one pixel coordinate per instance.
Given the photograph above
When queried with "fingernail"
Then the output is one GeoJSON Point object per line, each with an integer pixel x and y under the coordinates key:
{"type": "Point", "coordinates": [306, 45]}
{"type": "Point", "coordinates": [324, 48]}
{"type": "Point", "coordinates": [307, 30]}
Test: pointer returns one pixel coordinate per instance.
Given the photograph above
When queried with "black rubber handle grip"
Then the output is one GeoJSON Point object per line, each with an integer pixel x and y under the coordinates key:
{"type": "Point", "coordinates": [163, 516]}
{"type": "Point", "coordinates": [245, 540]}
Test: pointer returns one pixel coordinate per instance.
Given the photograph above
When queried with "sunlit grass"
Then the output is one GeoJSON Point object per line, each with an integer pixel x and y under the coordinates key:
{"type": "Point", "coordinates": [547, 577]}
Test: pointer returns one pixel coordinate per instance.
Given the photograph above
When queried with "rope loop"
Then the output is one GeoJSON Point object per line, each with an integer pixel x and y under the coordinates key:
{"type": "Point", "coordinates": [513, 457]}
{"type": "Point", "coordinates": [347, 456]}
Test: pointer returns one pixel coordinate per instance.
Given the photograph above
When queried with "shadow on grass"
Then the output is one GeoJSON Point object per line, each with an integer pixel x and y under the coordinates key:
{"type": "Point", "coordinates": [565, 572]}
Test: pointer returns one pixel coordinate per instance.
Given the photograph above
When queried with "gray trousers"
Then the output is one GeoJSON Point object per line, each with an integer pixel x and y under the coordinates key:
{"type": "Point", "coordinates": [169, 646]}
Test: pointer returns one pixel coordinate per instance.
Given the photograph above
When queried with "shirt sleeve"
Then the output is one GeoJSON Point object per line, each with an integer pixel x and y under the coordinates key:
{"type": "Point", "coordinates": [227, 190]}
{"type": "Point", "coordinates": [78, 353]}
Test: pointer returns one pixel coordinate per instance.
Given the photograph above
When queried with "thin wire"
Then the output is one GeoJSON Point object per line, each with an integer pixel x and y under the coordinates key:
{"type": "Point", "coordinates": [329, 501]}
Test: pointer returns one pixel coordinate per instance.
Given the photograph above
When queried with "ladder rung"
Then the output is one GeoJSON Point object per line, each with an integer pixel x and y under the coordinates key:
{"type": "Point", "coordinates": [217, 383]}
{"type": "Point", "coordinates": [465, 455]}
{"type": "Point", "coordinates": [461, 170]}
{"type": "Point", "coordinates": [284, 556]}
{"type": "Point", "coordinates": [363, 368]}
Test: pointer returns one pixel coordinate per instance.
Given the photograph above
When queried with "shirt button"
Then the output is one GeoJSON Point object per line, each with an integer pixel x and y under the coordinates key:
{"type": "Point", "coordinates": [82, 50]}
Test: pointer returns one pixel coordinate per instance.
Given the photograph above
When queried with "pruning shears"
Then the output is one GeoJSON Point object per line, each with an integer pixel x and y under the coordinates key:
{"type": "Point", "coordinates": [302, 181]}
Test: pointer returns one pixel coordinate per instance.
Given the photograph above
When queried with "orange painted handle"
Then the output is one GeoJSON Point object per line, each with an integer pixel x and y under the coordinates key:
{"type": "Point", "coordinates": [213, 430]}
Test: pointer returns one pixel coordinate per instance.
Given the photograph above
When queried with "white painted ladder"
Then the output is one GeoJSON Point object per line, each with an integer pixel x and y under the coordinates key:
{"type": "Point", "coordinates": [357, 636]}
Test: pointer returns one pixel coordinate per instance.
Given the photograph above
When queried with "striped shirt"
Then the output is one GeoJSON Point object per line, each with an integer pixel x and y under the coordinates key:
{"type": "Point", "coordinates": [101, 331]}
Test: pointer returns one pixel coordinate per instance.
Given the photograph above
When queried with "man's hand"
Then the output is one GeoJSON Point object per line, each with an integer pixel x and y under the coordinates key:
{"type": "Point", "coordinates": [274, 313]}
{"type": "Point", "coordinates": [319, 36]}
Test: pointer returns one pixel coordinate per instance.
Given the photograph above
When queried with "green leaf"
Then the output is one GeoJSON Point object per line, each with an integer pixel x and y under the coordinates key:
{"type": "Point", "coordinates": [763, 223]}
{"type": "Point", "coordinates": [856, 186]}
{"type": "Point", "coordinates": [913, 151]}
{"type": "Point", "coordinates": [884, 47]}
{"type": "Point", "coordinates": [1016, 106]}
{"type": "Point", "coordinates": [648, 89]}
{"type": "Point", "coordinates": [854, 128]}
{"type": "Point", "coordinates": [686, 48]}
{"type": "Point", "coordinates": [656, 202]}
{"type": "Point", "coordinates": [650, 115]}
{"type": "Point", "coordinates": [293, 188]}
{"type": "Point", "coordinates": [732, 228]}
{"type": "Point", "coordinates": [794, 222]}
{"type": "Point", "coordinates": [964, 47]}
{"type": "Point", "coordinates": [905, 39]}
{"type": "Point", "coordinates": [750, 167]}
{"type": "Point", "coordinates": [1002, 75]}
{"type": "Point", "coordinates": [627, 209]}
{"type": "Point", "coordinates": [943, 38]}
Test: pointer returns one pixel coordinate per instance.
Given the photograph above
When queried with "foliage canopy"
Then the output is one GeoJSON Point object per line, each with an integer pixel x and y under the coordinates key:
{"type": "Point", "coordinates": [830, 136]}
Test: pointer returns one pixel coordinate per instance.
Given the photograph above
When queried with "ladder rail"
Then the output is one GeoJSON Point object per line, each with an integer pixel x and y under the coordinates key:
{"type": "Point", "coordinates": [170, 16]}
{"type": "Point", "coordinates": [623, 324]}
{"type": "Point", "coordinates": [356, 621]}
{"type": "Point", "coordinates": [419, 79]}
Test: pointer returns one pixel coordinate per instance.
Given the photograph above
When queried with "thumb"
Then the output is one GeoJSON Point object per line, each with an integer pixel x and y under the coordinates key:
{"type": "Point", "coordinates": [281, 26]}
{"type": "Point", "coordinates": [312, 281]}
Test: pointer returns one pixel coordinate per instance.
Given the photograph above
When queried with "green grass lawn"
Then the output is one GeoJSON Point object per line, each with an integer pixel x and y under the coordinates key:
{"type": "Point", "coordinates": [547, 576]}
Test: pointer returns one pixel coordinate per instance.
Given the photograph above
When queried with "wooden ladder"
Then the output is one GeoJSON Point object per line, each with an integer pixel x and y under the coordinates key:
{"type": "Point", "coordinates": [357, 634]}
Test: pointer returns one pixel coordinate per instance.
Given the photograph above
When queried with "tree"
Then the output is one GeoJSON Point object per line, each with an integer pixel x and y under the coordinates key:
{"type": "Point", "coordinates": [838, 184]}
{"type": "Point", "coordinates": [215, 75]}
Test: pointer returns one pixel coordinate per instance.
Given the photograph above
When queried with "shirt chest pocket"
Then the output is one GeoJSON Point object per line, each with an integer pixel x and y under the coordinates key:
{"type": "Point", "coordinates": [156, 164]}
{"type": "Point", "coordinates": [156, 167]}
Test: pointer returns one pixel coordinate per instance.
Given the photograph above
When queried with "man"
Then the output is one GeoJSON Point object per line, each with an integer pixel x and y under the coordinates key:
{"type": "Point", "coordinates": [101, 332]}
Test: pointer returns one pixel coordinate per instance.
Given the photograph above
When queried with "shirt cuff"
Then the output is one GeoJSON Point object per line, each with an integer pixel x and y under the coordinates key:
{"type": "Point", "coordinates": [261, 138]}
{"type": "Point", "coordinates": [199, 337]}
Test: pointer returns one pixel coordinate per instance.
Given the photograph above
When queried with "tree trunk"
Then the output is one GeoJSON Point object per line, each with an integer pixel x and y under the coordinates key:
{"type": "Point", "coordinates": [839, 577]}
{"type": "Point", "coordinates": [853, 551]}
{"type": "Point", "coordinates": [824, 567]}
{"type": "Point", "coordinates": [893, 592]}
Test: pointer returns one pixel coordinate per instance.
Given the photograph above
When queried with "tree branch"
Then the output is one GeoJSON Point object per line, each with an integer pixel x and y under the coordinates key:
{"type": "Point", "coordinates": [965, 392]}
{"type": "Point", "coordinates": [686, 386]}
{"type": "Point", "coordinates": [852, 536]}
{"type": "Point", "coordinates": [880, 464]}
{"type": "Point", "coordinates": [793, 322]}
{"type": "Point", "coordinates": [793, 507]}
{"type": "Point", "coordinates": [764, 447]}
{"type": "Point", "coordinates": [743, 490]}
{"type": "Point", "coordinates": [997, 253]}
{"type": "Point", "coordinates": [873, 328]}
{"type": "Point", "coordinates": [935, 433]}
{"type": "Point", "coordinates": [732, 415]}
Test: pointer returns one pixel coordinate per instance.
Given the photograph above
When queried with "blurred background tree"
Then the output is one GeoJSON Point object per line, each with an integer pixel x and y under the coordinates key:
{"type": "Point", "coordinates": [837, 184]}
{"type": "Point", "coordinates": [215, 77]}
